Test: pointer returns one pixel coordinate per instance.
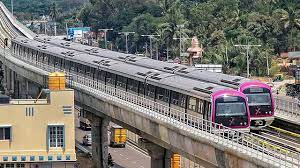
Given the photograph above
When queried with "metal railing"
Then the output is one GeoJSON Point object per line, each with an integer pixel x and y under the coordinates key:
{"type": "Point", "coordinates": [28, 101]}
{"type": "Point", "coordinates": [243, 143]}
{"type": "Point", "coordinates": [287, 108]}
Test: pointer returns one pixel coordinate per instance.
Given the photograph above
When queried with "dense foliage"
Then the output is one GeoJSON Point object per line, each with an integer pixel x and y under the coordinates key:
{"type": "Point", "coordinates": [218, 24]}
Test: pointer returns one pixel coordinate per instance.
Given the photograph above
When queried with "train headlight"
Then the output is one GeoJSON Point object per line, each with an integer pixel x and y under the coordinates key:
{"type": "Point", "coordinates": [241, 123]}
{"type": "Point", "coordinates": [245, 123]}
{"type": "Point", "coordinates": [270, 112]}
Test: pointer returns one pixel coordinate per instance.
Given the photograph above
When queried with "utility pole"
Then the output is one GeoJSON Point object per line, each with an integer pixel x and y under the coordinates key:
{"type": "Point", "coordinates": [126, 38]}
{"type": "Point", "coordinates": [268, 69]}
{"type": "Point", "coordinates": [180, 38]}
{"type": "Point", "coordinates": [54, 28]}
{"type": "Point", "coordinates": [105, 32]}
{"type": "Point", "coordinates": [12, 6]}
{"type": "Point", "coordinates": [247, 46]}
{"type": "Point", "coordinates": [150, 36]}
{"type": "Point", "coordinates": [146, 49]}
{"type": "Point", "coordinates": [66, 27]}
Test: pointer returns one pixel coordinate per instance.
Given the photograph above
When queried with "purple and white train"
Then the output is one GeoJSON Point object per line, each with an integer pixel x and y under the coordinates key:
{"type": "Point", "coordinates": [209, 101]}
{"type": "Point", "coordinates": [261, 103]}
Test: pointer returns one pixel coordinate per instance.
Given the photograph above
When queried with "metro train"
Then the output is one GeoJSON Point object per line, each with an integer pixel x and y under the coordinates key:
{"type": "Point", "coordinates": [261, 101]}
{"type": "Point", "coordinates": [206, 100]}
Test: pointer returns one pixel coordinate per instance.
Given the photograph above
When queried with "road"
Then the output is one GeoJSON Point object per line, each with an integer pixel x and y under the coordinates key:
{"type": "Point", "coordinates": [128, 157]}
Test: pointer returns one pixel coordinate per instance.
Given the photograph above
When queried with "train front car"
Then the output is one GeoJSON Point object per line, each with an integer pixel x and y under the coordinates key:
{"type": "Point", "coordinates": [261, 103]}
{"type": "Point", "coordinates": [230, 108]}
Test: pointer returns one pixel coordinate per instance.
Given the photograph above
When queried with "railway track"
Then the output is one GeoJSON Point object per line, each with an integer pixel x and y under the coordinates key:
{"type": "Point", "coordinates": [279, 140]}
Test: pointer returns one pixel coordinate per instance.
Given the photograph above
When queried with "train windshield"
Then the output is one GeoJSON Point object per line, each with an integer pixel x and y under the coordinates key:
{"type": "Point", "coordinates": [231, 106]}
{"type": "Point", "coordinates": [258, 96]}
{"type": "Point", "coordinates": [259, 99]}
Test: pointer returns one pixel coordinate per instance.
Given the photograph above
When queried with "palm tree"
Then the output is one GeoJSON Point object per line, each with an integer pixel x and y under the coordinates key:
{"type": "Point", "coordinates": [286, 20]}
{"type": "Point", "coordinates": [170, 26]}
{"type": "Point", "coordinates": [54, 12]}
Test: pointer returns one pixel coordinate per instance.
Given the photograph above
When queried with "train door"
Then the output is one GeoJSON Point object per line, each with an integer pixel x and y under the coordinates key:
{"type": "Point", "coordinates": [193, 107]}
{"type": "Point", "coordinates": [207, 110]}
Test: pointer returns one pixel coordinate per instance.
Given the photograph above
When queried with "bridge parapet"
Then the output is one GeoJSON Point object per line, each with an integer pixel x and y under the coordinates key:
{"type": "Point", "coordinates": [19, 27]}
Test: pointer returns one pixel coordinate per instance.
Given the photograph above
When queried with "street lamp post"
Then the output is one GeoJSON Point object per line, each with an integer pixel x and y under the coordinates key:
{"type": "Point", "coordinates": [150, 36]}
{"type": "Point", "coordinates": [105, 32]}
{"type": "Point", "coordinates": [126, 38]}
{"type": "Point", "coordinates": [248, 46]}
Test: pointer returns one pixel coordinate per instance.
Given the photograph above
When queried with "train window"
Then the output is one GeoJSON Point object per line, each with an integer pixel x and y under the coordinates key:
{"type": "Point", "coordinates": [133, 85]}
{"type": "Point", "coordinates": [40, 57]}
{"type": "Point", "coordinates": [19, 49]}
{"type": "Point", "coordinates": [93, 73]}
{"type": "Point", "coordinates": [67, 65]}
{"type": "Point", "coordinates": [141, 88]}
{"type": "Point", "coordinates": [36, 56]}
{"type": "Point", "coordinates": [110, 78]}
{"type": "Point", "coordinates": [79, 68]}
{"type": "Point", "coordinates": [162, 94]}
{"type": "Point", "coordinates": [150, 90]}
{"type": "Point", "coordinates": [192, 103]}
{"type": "Point", "coordinates": [72, 66]}
{"type": "Point", "coordinates": [101, 76]}
{"type": "Point", "coordinates": [121, 81]}
{"type": "Point", "coordinates": [29, 53]}
{"type": "Point", "coordinates": [178, 99]}
{"type": "Point", "coordinates": [14, 47]}
{"type": "Point", "coordinates": [88, 71]}
{"type": "Point", "coordinates": [51, 60]}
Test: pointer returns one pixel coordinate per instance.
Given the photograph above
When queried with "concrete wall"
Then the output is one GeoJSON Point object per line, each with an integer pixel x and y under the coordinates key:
{"type": "Point", "coordinates": [29, 131]}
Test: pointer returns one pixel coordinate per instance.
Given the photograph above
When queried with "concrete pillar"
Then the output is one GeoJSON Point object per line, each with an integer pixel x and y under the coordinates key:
{"type": "Point", "coordinates": [33, 89]}
{"type": "Point", "coordinates": [160, 157]}
{"type": "Point", "coordinates": [99, 140]}
{"type": "Point", "coordinates": [24, 88]}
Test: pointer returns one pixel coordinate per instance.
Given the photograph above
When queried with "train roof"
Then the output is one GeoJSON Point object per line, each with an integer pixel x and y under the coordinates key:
{"type": "Point", "coordinates": [182, 70]}
{"type": "Point", "coordinates": [155, 77]}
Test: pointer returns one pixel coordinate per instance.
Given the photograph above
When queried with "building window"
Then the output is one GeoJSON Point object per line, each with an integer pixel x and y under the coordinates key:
{"type": "Point", "coordinates": [10, 165]}
{"type": "Point", "coordinates": [56, 136]}
{"type": "Point", "coordinates": [5, 133]}
{"type": "Point", "coordinates": [20, 165]}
